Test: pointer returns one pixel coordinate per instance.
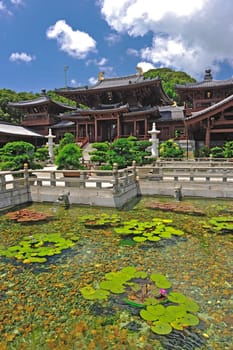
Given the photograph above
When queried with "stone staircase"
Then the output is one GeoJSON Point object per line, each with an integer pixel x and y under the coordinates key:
{"type": "Point", "coordinates": [86, 149]}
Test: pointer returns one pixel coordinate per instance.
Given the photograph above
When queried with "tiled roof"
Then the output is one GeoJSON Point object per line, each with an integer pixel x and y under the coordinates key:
{"type": "Point", "coordinates": [38, 101]}
{"type": "Point", "coordinates": [7, 128]}
{"type": "Point", "coordinates": [205, 84]}
{"type": "Point", "coordinates": [108, 83]}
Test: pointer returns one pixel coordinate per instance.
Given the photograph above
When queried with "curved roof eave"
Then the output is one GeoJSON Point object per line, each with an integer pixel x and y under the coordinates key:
{"type": "Point", "coordinates": [211, 108]}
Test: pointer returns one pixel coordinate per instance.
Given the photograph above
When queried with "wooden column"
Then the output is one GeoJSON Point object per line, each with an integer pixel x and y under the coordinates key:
{"type": "Point", "coordinates": [207, 134]}
{"type": "Point", "coordinates": [96, 135]}
{"type": "Point", "coordinates": [118, 127]}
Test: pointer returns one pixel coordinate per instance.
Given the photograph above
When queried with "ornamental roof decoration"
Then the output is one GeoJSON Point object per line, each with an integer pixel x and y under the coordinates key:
{"type": "Point", "coordinates": [208, 82]}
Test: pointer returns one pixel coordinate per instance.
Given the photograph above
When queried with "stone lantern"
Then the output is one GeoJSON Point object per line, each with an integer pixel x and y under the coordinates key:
{"type": "Point", "coordinates": [50, 138]}
{"type": "Point", "coordinates": [155, 141]}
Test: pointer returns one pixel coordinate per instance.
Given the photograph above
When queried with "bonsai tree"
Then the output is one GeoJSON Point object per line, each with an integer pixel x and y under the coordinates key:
{"type": "Point", "coordinates": [170, 149]}
{"type": "Point", "coordinates": [14, 154]}
{"type": "Point", "coordinates": [69, 157]}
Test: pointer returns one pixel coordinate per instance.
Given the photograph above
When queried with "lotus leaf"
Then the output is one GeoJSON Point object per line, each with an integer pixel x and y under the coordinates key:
{"type": "Point", "coordinates": [140, 239]}
{"type": "Point", "coordinates": [102, 220]}
{"type": "Point", "coordinates": [189, 320]}
{"type": "Point", "coordinates": [190, 305]}
{"type": "Point", "coordinates": [91, 294]}
{"type": "Point", "coordinates": [35, 248]}
{"type": "Point", "coordinates": [160, 280]}
{"type": "Point", "coordinates": [113, 286]}
{"type": "Point", "coordinates": [177, 297]}
{"type": "Point", "coordinates": [152, 231]}
{"type": "Point", "coordinates": [161, 328]}
{"type": "Point", "coordinates": [151, 301]}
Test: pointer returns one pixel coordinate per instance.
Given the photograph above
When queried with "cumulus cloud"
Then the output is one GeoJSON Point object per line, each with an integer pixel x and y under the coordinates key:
{"type": "Point", "coordinates": [145, 66]}
{"type": "Point", "coordinates": [75, 43]}
{"type": "Point", "coordinates": [187, 35]}
{"type": "Point", "coordinates": [23, 57]}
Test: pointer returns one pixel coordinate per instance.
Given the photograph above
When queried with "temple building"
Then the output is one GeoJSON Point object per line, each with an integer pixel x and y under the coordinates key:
{"type": "Point", "coordinates": [120, 107]}
{"type": "Point", "coordinates": [208, 110]}
{"type": "Point", "coordinates": [129, 105]}
{"type": "Point", "coordinates": [41, 113]}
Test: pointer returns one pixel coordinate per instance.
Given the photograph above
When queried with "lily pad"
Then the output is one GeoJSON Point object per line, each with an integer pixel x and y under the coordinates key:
{"type": "Point", "coordinates": [161, 328]}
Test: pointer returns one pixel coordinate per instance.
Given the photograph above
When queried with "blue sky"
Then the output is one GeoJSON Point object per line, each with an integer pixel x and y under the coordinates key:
{"type": "Point", "coordinates": [51, 43]}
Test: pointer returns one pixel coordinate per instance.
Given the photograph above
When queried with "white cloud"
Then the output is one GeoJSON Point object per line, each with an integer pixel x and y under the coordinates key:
{"type": "Point", "coordinates": [187, 35]}
{"type": "Point", "coordinates": [145, 66]}
{"type": "Point", "coordinates": [17, 2]}
{"type": "Point", "coordinates": [112, 38]}
{"type": "Point", "coordinates": [74, 42]}
{"type": "Point", "coordinates": [4, 9]}
{"type": "Point", "coordinates": [24, 57]}
{"type": "Point", "coordinates": [92, 80]}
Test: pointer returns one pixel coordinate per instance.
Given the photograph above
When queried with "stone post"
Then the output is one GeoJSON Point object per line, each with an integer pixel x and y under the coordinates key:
{"type": "Point", "coordinates": [115, 178]}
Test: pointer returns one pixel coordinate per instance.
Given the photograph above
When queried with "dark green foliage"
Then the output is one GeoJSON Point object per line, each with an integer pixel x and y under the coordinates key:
{"type": "Point", "coordinates": [202, 152]}
{"type": "Point", "coordinates": [67, 139]}
{"type": "Point", "coordinates": [13, 155]}
{"type": "Point", "coordinates": [99, 154]}
{"type": "Point", "coordinates": [69, 157]}
{"type": "Point", "coordinates": [228, 149]}
{"type": "Point", "coordinates": [216, 152]}
{"type": "Point", "coordinates": [170, 149]}
{"type": "Point", "coordinates": [169, 79]}
{"type": "Point", "coordinates": [42, 154]}
{"type": "Point", "coordinates": [122, 151]}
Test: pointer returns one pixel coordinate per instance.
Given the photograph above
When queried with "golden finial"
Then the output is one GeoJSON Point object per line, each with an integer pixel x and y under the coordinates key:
{"type": "Point", "coordinates": [101, 76]}
{"type": "Point", "coordinates": [139, 70]}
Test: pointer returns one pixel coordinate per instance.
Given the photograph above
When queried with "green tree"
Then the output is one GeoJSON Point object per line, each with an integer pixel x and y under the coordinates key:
{"type": "Point", "coordinates": [170, 149]}
{"type": "Point", "coordinates": [69, 157]}
{"type": "Point", "coordinates": [122, 151]}
{"type": "Point", "coordinates": [13, 155]}
{"type": "Point", "coordinates": [169, 79]}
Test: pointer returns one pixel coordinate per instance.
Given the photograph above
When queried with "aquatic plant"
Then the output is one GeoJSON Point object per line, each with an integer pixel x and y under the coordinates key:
{"type": "Point", "coordinates": [38, 247]}
{"type": "Point", "coordinates": [178, 207]}
{"type": "Point", "coordinates": [153, 231]}
{"type": "Point", "coordinates": [102, 220]}
{"type": "Point", "coordinates": [27, 215]}
{"type": "Point", "coordinates": [163, 309]}
{"type": "Point", "coordinates": [220, 224]}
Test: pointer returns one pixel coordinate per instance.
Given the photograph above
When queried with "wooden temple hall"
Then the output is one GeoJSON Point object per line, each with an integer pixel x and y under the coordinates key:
{"type": "Point", "coordinates": [112, 108]}
{"type": "Point", "coordinates": [129, 105]}
{"type": "Point", "coordinates": [119, 107]}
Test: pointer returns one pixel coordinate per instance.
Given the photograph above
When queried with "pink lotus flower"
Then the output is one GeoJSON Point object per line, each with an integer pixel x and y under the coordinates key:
{"type": "Point", "coordinates": [163, 292]}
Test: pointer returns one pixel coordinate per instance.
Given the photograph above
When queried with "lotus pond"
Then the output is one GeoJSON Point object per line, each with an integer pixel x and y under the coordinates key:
{"type": "Point", "coordinates": [157, 276]}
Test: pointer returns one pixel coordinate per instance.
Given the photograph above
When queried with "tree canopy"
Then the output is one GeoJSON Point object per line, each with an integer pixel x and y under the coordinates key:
{"type": "Point", "coordinates": [169, 79]}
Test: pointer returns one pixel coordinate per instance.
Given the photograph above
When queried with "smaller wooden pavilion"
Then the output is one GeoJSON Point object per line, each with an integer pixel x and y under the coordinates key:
{"type": "Point", "coordinates": [40, 113]}
{"type": "Point", "coordinates": [208, 110]}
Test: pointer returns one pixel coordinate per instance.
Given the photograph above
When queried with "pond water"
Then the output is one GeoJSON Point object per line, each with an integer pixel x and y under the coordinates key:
{"type": "Point", "coordinates": [41, 303]}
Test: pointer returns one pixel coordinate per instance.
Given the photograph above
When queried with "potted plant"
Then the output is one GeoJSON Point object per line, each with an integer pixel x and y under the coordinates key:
{"type": "Point", "coordinates": [69, 158]}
